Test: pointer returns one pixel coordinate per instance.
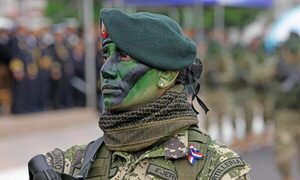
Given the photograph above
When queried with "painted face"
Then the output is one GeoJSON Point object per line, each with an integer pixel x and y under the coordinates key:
{"type": "Point", "coordinates": [124, 80]}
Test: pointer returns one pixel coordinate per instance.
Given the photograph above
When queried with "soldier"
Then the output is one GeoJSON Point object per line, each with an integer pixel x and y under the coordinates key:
{"type": "Point", "coordinates": [217, 76]}
{"type": "Point", "coordinates": [5, 56]}
{"type": "Point", "coordinates": [242, 85]}
{"type": "Point", "coordinates": [44, 61]}
{"type": "Point", "coordinates": [263, 87]}
{"type": "Point", "coordinates": [287, 106]}
{"type": "Point", "coordinates": [150, 129]}
{"type": "Point", "coordinates": [78, 58]}
{"type": "Point", "coordinates": [62, 70]}
{"type": "Point", "coordinates": [24, 71]}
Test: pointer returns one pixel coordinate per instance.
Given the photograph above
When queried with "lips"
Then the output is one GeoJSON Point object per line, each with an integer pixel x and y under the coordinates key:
{"type": "Point", "coordinates": [108, 89]}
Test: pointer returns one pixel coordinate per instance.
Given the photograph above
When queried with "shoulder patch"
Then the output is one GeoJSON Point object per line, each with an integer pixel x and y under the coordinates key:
{"type": "Point", "coordinates": [161, 172]}
{"type": "Point", "coordinates": [224, 166]}
{"type": "Point", "coordinates": [55, 159]}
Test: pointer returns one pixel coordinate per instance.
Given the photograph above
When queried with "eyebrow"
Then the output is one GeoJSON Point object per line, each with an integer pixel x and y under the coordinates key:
{"type": "Point", "coordinates": [106, 41]}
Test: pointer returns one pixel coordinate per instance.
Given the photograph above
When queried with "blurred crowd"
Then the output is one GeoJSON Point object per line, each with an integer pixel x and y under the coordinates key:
{"type": "Point", "coordinates": [237, 80]}
{"type": "Point", "coordinates": [241, 81]}
{"type": "Point", "coordinates": [41, 66]}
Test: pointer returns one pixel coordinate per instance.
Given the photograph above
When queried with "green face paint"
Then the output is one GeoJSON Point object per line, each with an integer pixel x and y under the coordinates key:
{"type": "Point", "coordinates": [125, 82]}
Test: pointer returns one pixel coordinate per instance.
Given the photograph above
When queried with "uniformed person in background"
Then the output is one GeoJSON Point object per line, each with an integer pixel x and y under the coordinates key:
{"type": "Point", "coordinates": [62, 70]}
{"type": "Point", "coordinates": [287, 125]}
{"type": "Point", "coordinates": [44, 62]}
{"type": "Point", "coordinates": [23, 70]}
{"type": "Point", "coordinates": [150, 129]}
{"type": "Point", "coordinates": [217, 75]}
{"type": "Point", "coordinates": [5, 56]}
{"type": "Point", "coordinates": [263, 87]}
{"type": "Point", "coordinates": [78, 80]}
{"type": "Point", "coordinates": [35, 55]}
{"type": "Point", "coordinates": [242, 85]}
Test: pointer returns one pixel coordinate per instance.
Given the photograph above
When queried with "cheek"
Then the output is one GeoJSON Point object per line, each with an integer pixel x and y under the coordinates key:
{"type": "Point", "coordinates": [133, 75]}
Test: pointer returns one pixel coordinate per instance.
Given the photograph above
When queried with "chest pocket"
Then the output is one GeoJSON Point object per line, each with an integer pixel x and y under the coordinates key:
{"type": "Point", "coordinates": [181, 169]}
{"type": "Point", "coordinates": [101, 165]}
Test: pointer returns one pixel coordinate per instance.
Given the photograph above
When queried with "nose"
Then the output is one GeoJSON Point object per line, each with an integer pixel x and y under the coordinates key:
{"type": "Point", "coordinates": [108, 70]}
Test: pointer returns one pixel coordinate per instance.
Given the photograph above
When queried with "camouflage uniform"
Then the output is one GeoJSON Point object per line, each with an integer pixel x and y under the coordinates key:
{"type": "Point", "coordinates": [263, 72]}
{"type": "Point", "coordinates": [242, 83]}
{"type": "Point", "coordinates": [157, 162]}
{"type": "Point", "coordinates": [287, 126]}
{"type": "Point", "coordinates": [217, 75]}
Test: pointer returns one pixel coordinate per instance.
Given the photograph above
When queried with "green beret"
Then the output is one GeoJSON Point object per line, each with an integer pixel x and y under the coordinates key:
{"type": "Point", "coordinates": [153, 39]}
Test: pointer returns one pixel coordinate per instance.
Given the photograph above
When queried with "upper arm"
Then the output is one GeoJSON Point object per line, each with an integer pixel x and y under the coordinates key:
{"type": "Point", "coordinates": [225, 164]}
{"type": "Point", "coordinates": [67, 162]}
{"type": "Point", "coordinates": [240, 173]}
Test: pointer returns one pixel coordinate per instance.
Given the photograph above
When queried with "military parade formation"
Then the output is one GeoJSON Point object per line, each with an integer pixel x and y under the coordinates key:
{"type": "Point", "coordinates": [244, 80]}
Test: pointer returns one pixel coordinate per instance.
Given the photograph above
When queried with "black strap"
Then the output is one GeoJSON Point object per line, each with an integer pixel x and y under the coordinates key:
{"type": "Point", "coordinates": [89, 157]}
{"type": "Point", "coordinates": [200, 102]}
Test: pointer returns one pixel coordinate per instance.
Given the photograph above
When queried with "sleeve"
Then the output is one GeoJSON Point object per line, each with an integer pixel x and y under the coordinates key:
{"type": "Point", "coordinates": [225, 164]}
{"type": "Point", "coordinates": [66, 162]}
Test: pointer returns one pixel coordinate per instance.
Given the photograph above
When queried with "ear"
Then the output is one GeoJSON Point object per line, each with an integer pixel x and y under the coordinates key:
{"type": "Point", "coordinates": [167, 78]}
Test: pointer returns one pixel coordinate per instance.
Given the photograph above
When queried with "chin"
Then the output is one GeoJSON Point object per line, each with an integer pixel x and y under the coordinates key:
{"type": "Point", "coordinates": [121, 108]}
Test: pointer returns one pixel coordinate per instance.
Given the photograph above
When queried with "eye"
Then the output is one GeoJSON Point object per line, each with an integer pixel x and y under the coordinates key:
{"type": "Point", "coordinates": [124, 56]}
{"type": "Point", "coordinates": [105, 54]}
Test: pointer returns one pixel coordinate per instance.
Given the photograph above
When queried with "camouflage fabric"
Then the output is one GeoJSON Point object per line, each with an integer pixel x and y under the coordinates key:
{"type": "Point", "coordinates": [287, 107]}
{"type": "Point", "coordinates": [223, 157]}
{"type": "Point", "coordinates": [157, 162]}
{"type": "Point", "coordinates": [287, 134]}
{"type": "Point", "coordinates": [67, 162]}
{"type": "Point", "coordinates": [242, 84]}
{"type": "Point", "coordinates": [217, 73]}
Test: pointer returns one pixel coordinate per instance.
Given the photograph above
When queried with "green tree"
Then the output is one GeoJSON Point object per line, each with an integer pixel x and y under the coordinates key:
{"type": "Point", "coordinates": [58, 10]}
{"type": "Point", "coordinates": [234, 16]}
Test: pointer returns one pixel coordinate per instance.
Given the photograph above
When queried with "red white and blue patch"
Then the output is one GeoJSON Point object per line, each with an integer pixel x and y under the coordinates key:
{"type": "Point", "coordinates": [194, 155]}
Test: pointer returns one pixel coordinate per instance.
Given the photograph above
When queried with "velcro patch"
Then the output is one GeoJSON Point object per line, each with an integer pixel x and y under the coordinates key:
{"type": "Point", "coordinates": [161, 172]}
{"type": "Point", "coordinates": [226, 165]}
{"type": "Point", "coordinates": [55, 159]}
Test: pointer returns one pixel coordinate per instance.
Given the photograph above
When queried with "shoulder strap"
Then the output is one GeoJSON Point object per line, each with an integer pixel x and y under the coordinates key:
{"type": "Point", "coordinates": [89, 157]}
{"type": "Point", "coordinates": [184, 169]}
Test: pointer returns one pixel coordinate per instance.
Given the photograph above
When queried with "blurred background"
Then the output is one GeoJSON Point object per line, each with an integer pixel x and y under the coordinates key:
{"type": "Point", "coordinates": [50, 61]}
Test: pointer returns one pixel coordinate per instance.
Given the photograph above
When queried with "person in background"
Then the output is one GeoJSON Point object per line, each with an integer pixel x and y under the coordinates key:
{"type": "Point", "coordinates": [62, 70]}
{"type": "Point", "coordinates": [287, 106]}
{"type": "Point", "coordinates": [5, 56]}
{"type": "Point", "coordinates": [24, 72]}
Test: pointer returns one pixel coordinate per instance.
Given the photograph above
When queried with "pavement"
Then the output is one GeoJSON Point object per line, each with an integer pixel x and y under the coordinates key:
{"type": "Point", "coordinates": [24, 136]}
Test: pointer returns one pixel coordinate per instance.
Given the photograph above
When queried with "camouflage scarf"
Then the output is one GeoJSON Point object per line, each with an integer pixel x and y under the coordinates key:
{"type": "Point", "coordinates": [157, 121]}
